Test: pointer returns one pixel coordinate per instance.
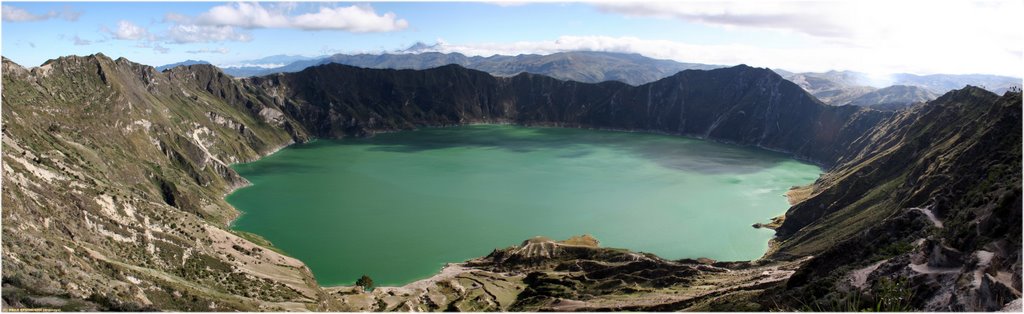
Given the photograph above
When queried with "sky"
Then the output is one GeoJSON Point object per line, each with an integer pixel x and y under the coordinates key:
{"type": "Point", "coordinates": [921, 37]}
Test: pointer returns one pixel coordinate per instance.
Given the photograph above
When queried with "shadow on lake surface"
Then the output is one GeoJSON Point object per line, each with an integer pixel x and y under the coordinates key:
{"type": "Point", "coordinates": [271, 165]}
{"type": "Point", "coordinates": [674, 152]}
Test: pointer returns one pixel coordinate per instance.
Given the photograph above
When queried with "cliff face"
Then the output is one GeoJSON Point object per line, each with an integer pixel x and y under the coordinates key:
{"type": "Point", "coordinates": [114, 176]}
{"type": "Point", "coordinates": [742, 105]}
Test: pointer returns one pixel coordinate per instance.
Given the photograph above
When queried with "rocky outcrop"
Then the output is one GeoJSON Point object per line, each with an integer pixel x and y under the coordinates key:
{"type": "Point", "coordinates": [577, 275]}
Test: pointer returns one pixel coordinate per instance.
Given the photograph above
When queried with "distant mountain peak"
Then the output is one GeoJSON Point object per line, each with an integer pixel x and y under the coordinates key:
{"type": "Point", "coordinates": [177, 64]}
{"type": "Point", "coordinates": [421, 47]}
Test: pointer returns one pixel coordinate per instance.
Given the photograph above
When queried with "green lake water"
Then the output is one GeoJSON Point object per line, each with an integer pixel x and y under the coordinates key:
{"type": "Point", "coordinates": [398, 206]}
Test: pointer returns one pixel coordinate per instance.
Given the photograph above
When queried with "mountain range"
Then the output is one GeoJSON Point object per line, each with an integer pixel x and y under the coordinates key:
{"type": "Point", "coordinates": [115, 173]}
{"type": "Point", "coordinates": [177, 64]}
{"type": "Point", "coordinates": [837, 88]}
{"type": "Point", "coordinates": [266, 65]}
{"type": "Point", "coordinates": [891, 92]}
{"type": "Point", "coordinates": [582, 66]}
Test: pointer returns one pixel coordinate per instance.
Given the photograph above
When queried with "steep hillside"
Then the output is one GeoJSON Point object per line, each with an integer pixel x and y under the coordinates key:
{"type": "Point", "coordinates": [834, 87]}
{"type": "Point", "coordinates": [894, 97]}
{"type": "Point", "coordinates": [933, 196]}
{"type": "Point", "coordinates": [114, 176]}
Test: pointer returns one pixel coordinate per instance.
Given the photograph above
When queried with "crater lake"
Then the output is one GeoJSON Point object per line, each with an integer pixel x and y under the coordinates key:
{"type": "Point", "coordinates": [398, 206]}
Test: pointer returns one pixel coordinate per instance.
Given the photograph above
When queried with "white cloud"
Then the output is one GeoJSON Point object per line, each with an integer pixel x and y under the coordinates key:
{"type": "Point", "coordinates": [252, 65]}
{"type": "Point", "coordinates": [192, 33]}
{"type": "Point", "coordinates": [15, 14]}
{"type": "Point", "coordinates": [129, 31]}
{"type": "Point", "coordinates": [872, 36]}
{"type": "Point", "coordinates": [160, 49]}
{"type": "Point", "coordinates": [221, 50]}
{"type": "Point", "coordinates": [176, 18]}
{"type": "Point", "coordinates": [220, 23]}
{"type": "Point", "coordinates": [70, 15]}
{"type": "Point", "coordinates": [185, 29]}
{"type": "Point", "coordinates": [246, 15]}
{"type": "Point", "coordinates": [78, 41]}
{"type": "Point", "coordinates": [153, 45]}
{"type": "Point", "coordinates": [355, 18]}
{"type": "Point", "coordinates": [504, 3]}
{"type": "Point", "coordinates": [816, 18]}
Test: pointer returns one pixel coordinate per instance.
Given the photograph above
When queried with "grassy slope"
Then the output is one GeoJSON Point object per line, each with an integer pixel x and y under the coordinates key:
{"type": "Point", "coordinates": [112, 185]}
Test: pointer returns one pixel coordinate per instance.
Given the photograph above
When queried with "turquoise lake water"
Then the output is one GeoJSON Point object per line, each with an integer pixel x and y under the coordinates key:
{"type": "Point", "coordinates": [398, 206]}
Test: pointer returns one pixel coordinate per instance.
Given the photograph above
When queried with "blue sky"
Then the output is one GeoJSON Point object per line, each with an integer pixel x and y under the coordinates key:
{"type": "Point", "coordinates": [815, 36]}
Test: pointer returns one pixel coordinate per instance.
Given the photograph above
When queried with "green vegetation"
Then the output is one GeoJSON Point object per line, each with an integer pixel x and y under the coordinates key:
{"type": "Point", "coordinates": [893, 295]}
{"type": "Point", "coordinates": [893, 249]}
{"type": "Point", "coordinates": [365, 282]}
{"type": "Point", "coordinates": [888, 295]}
{"type": "Point", "coordinates": [258, 240]}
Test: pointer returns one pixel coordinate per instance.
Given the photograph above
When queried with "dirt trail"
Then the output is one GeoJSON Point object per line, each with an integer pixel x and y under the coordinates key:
{"type": "Point", "coordinates": [931, 216]}
{"type": "Point", "coordinates": [859, 277]}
